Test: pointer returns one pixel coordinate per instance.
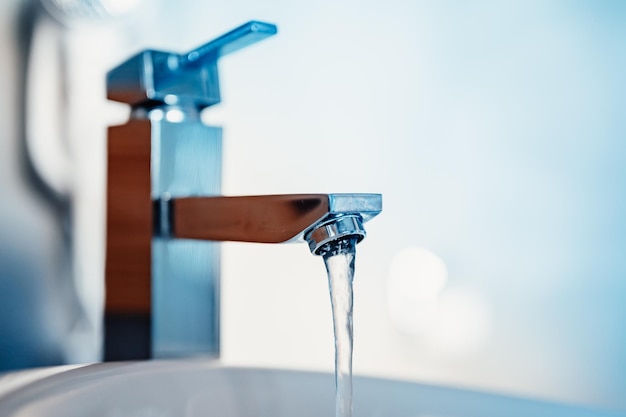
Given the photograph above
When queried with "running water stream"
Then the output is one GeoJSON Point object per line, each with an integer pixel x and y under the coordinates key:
{"type": "Point", "coordinates": [339, 260]}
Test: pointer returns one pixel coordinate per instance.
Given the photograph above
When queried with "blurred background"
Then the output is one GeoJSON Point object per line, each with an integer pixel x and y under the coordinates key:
{"type": "Point", "coordinates": [496, 132]}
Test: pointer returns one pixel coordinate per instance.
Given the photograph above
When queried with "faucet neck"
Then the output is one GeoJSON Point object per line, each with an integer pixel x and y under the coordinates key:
{"type": "Point", "coordinates": [173, 113]}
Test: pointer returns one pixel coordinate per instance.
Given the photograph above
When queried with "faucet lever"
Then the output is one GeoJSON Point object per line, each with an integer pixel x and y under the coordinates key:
{"type": "Point", "coordinates": [158, 77]}
{"type": "Point", "coordinates": [230, 42]}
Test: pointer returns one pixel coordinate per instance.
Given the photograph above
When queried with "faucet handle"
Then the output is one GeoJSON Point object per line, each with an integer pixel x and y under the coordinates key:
{"type": "Point", "coordinates": [157, 77]}
{"type": "Point", "coordinates": [230, 42]}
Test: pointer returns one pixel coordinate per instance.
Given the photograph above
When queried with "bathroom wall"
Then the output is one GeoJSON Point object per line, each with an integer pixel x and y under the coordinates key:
{"type": "Point", "coordinates": [495, 132]}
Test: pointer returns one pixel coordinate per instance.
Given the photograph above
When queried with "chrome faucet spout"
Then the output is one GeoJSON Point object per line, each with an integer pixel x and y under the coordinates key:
{"type": "Point", "coordinates": [315, 218]}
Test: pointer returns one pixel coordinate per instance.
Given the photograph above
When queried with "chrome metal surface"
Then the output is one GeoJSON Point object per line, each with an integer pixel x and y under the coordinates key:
{"type": "Point", "coordinates": [171, 78]}
{"type": "Point", "coordinates": [186, 160]}
{"type": "Point", "coordinates": [270, 218]}
{"type": "Point", "coordinates": [162, 294]}
{"type": "Point", "coordinates": [165, 217]}
{"type": "Point", "coordinates": [333, 229]}
{"type": "Point", "coordinates": [170, 287]}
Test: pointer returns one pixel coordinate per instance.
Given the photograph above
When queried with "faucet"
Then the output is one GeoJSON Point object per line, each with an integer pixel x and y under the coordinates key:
{"type": "Point", "coordinates": [165, 215]}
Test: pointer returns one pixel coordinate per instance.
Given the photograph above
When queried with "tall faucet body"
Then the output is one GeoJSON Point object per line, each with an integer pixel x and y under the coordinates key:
{"type": "Point", "coordinates": [162, 294]}
{"type": "Point", "coordinates": [164, 212]}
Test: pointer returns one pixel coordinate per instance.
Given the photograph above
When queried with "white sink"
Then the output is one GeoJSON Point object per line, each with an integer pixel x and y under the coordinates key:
{"type": "Point", "coordinates": [204, 388]}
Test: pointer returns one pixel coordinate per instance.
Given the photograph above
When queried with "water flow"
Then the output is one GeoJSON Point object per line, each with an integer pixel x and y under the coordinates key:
{"type": "Point", "coordinates": [339, 259]}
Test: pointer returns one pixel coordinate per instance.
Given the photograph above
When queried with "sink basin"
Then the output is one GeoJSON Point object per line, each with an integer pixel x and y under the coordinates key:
{"type": "Point", "coordinates": [205, 388]}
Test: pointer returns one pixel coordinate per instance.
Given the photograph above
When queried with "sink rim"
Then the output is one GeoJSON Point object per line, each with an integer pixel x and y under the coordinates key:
{"type": "Point", "coordinates": [40, 385]}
